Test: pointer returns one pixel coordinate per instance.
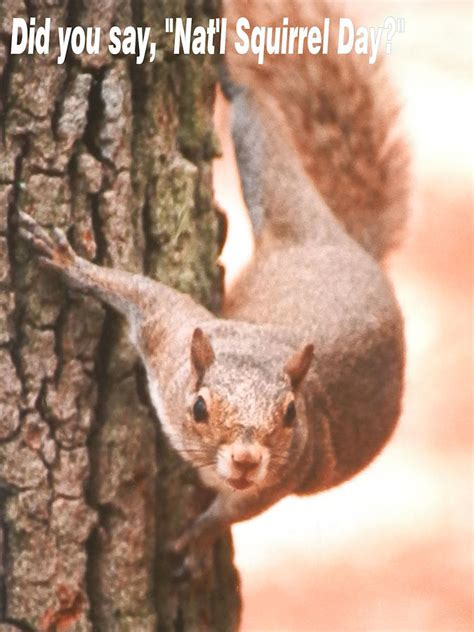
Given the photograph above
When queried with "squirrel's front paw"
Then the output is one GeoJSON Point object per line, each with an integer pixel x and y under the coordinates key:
{"type": "Point", "coordinates": [181, 544]}
{"type": "Point", "coordinates": [189, 559]}
{"type": "Point", "coordinates": [195, 564]}
{"type": "Point", "coordinates": [55, 250]}
{"type": "Point", "coordinates": [191, 555]}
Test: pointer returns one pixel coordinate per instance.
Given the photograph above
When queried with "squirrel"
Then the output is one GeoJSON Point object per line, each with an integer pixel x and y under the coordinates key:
{"type": "Point", "coordinates": [297, 385]}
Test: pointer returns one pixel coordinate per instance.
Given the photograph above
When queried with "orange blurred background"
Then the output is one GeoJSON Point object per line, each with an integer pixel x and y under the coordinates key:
{"type": "Point", "coordinates": [392, 549]}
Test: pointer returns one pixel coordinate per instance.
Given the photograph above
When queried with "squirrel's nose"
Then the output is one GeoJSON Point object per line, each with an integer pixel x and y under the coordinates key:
{"type": "Point", "coordinates": [245, 459]}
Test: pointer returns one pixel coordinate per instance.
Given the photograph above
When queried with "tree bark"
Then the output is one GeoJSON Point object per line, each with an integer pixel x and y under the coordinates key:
{"type": "Point", "coordinates": [118, 155]}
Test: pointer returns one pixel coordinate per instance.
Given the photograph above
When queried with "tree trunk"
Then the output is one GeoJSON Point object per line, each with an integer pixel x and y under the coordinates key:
{"type": "Point", "coordinates": [119, 155]}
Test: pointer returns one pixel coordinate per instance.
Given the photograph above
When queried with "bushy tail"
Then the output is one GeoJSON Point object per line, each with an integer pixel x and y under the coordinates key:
{"type": "Point", "coordinates": [342, 113]}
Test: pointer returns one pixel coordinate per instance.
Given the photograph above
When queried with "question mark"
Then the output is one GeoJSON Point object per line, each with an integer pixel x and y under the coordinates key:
{"type": "Point", "coordinates": [391, 25]}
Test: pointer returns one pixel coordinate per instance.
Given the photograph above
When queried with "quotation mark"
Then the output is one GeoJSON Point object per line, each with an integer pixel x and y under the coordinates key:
{"type": "Point", "coordinates": [392, 25]}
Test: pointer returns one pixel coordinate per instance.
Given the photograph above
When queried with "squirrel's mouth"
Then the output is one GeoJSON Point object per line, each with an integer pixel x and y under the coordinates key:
{"type": "Point", "coordinates": [239, 483]}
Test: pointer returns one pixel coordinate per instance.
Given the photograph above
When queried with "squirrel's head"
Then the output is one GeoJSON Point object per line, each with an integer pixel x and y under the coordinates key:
{"type": "Point", "coordinates": [242, 417]}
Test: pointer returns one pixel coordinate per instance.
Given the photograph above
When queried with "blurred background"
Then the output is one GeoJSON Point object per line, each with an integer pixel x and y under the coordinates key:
{"type": "Point", "coordinates": [392, 550]}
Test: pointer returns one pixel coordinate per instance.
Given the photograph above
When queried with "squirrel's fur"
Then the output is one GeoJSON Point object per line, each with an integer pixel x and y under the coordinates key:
{"type": "Point", "coordinates": [299, 385]}
{"type": "Point", "coordinates": [342, 116]}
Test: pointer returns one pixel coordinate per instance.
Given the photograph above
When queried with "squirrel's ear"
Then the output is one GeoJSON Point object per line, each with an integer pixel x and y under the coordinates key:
{"type": "Point", "coordinates": [298, 365]}
{"type": "Point", "coordinates": [202, 353]}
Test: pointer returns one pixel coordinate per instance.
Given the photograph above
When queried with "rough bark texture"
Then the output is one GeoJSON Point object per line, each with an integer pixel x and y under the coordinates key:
{"type": "Point", "coordinates": [118, 155]}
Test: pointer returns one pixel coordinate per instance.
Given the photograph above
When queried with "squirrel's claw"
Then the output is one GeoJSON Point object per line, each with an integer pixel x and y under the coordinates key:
{"type": "Point", "coordinates": [42, 246]}
{"type": "Point", "coordinates": [190, 557]}
{"type": "Point", "coordinates": [194, 565]}
{"type": "Point", "coordinates": [55, 249]}
{"type": "Point", "coordinates": [179, 545]}
{"type": "Point", "coordinates": [61, 241]}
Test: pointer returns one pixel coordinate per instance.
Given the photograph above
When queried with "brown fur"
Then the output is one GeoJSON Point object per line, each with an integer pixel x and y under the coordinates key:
{"type": "Point", "coordinates": [342, 114]}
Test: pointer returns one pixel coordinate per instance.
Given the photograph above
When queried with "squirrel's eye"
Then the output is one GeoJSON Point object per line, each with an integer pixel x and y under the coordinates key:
{"type": "Point", "coordinates": [200, 413]}
{"type": "Point", "coordinates": [290, 415]}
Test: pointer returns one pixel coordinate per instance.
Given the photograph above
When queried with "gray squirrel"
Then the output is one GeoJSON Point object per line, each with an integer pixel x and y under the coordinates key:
{"type": "Point", "coordinates": [297, 385]}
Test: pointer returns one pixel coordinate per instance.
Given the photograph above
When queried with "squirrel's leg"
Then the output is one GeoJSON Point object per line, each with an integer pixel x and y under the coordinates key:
{"type": "Point", "coordinates": [115, 287]}
{"type": "Point", "coordinates": [225, 509]}
{"type": "Point", "coordinates": [248, 136]}
{"type": "Point", "coordinates": [282, 201]}
{"type": "Point", "coordinates": [249, 140]}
